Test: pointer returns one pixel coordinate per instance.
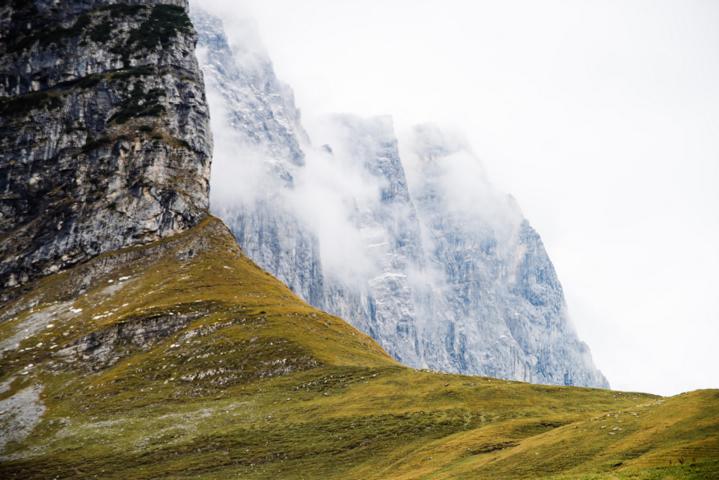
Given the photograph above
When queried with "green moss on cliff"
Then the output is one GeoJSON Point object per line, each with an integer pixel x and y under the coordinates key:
{"type": "Point", "coordinates": [21, 105]}
{"type": "Point", "coordinates": [102, 32]}
{"type": "Point", "coordinates": [164, 23]}
{"type": "Point", "coordinates": [44, 34]}
{"type": "Point", "coordinates": [139, 104]}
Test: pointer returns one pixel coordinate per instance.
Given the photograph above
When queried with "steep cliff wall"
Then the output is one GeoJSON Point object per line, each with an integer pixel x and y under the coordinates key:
{"type": "Point", "coordinates": [104, 136]}
{"type": "Point", "coordinates": [508, 313]}
{"type": "Point", "coordinates": [414, 247]}
{"type": "Point", "coordinates": [383, 301]}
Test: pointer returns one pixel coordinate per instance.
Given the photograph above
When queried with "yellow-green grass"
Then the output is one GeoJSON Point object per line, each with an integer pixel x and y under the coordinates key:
{"type": "Point", "coordinates": [254, 383]}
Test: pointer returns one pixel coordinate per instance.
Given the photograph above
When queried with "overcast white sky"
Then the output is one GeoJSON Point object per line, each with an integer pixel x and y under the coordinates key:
{"type": "Point", "coordinates": [600, 117]}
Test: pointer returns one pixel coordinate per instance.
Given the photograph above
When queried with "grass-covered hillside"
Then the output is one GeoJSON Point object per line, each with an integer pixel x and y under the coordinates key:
{"type": "Point", "coordinates": [182, 359]}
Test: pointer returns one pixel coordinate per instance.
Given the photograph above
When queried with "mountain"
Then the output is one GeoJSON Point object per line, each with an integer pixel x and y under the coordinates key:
{"type": "Point", "coordinates": [179, 357]}
{"type": "Point", "coordinates": [444, 271]}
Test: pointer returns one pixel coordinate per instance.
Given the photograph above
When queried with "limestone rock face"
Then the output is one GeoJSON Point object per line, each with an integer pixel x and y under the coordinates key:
{"type": "Point", "coordinates": [503, 309]}
{"type": "Point", "coordinates": [385, 301]}
{"type": "Point", "coordinates": [104, 131]}
{"type": "Point", "coordinates": [433, 262]}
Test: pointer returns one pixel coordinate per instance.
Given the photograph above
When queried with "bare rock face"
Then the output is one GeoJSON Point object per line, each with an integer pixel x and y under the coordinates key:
{"type": "Point", "coordinates": [103, 348]}
{"type": "Point", "coordinates": [445, 271]}
{"type": "Point", "coordinates": [104, 131]}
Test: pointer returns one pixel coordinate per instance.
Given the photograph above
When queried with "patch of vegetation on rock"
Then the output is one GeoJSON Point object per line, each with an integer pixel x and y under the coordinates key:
{"type": "Point", "coordinates": [163, 24]}
{"type": "Point", "coordinates": [140, 104]}
{"type": "Point", "coordinates": [21, 105]}
{"type": "Point", "coordinates": [45, 35]}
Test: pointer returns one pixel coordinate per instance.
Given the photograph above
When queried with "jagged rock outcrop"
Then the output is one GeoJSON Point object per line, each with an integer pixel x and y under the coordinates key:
{"type": "Point", "coordinates": [507, 313]}
{"type": "Point", "coordinates": [258, 106]}
{"type": "Point", "coordinates": [104, 134]}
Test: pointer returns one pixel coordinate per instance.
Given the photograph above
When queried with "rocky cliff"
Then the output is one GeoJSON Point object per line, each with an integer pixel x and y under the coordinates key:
{"type": "Point", "coordinates": [384, 300]}
{"type": "Point", "coordinates": [414, 247]}
{"type": "Point", "coordinates": [104, 135]}
{"type": "Point", "coordinates": [507, 313]}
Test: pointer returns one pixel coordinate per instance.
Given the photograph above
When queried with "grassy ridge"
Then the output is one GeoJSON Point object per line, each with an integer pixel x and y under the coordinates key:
{"type": "Point", "coordinates": [210, 368]}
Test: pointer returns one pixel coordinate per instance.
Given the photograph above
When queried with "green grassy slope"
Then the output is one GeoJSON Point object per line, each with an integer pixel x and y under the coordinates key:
{"type": "Point", "coordinates": [182, 359]}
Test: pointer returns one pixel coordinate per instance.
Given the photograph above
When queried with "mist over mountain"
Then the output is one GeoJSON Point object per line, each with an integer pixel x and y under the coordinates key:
{"type": "Point", "coordinates": [138, 341]}
{"type": "Point", "coordinates": [406, 238]}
